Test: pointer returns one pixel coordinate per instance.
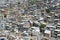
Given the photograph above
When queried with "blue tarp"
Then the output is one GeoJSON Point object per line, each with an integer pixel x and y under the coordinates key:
{"type": "Point", "coordinates": [2, 39]}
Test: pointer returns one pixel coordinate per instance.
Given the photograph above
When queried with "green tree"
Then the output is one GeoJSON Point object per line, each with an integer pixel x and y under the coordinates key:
{"type": "Point", "coordinates": [18, 2]}
{"type": "Point", "coordinates": [48, 10]}
{"type": "Point", "coordinates": [5, 15]}
{"type": "Point", "coordinates": [32, 2]}
{"type": "Point", "coordinates": [42, 25]}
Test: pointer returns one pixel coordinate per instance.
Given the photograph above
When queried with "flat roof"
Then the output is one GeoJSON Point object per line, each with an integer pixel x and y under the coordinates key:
{"type": "Point", "coordinates": [57, 30]}
{"type": "Point", "coordinates": [47, 32]}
